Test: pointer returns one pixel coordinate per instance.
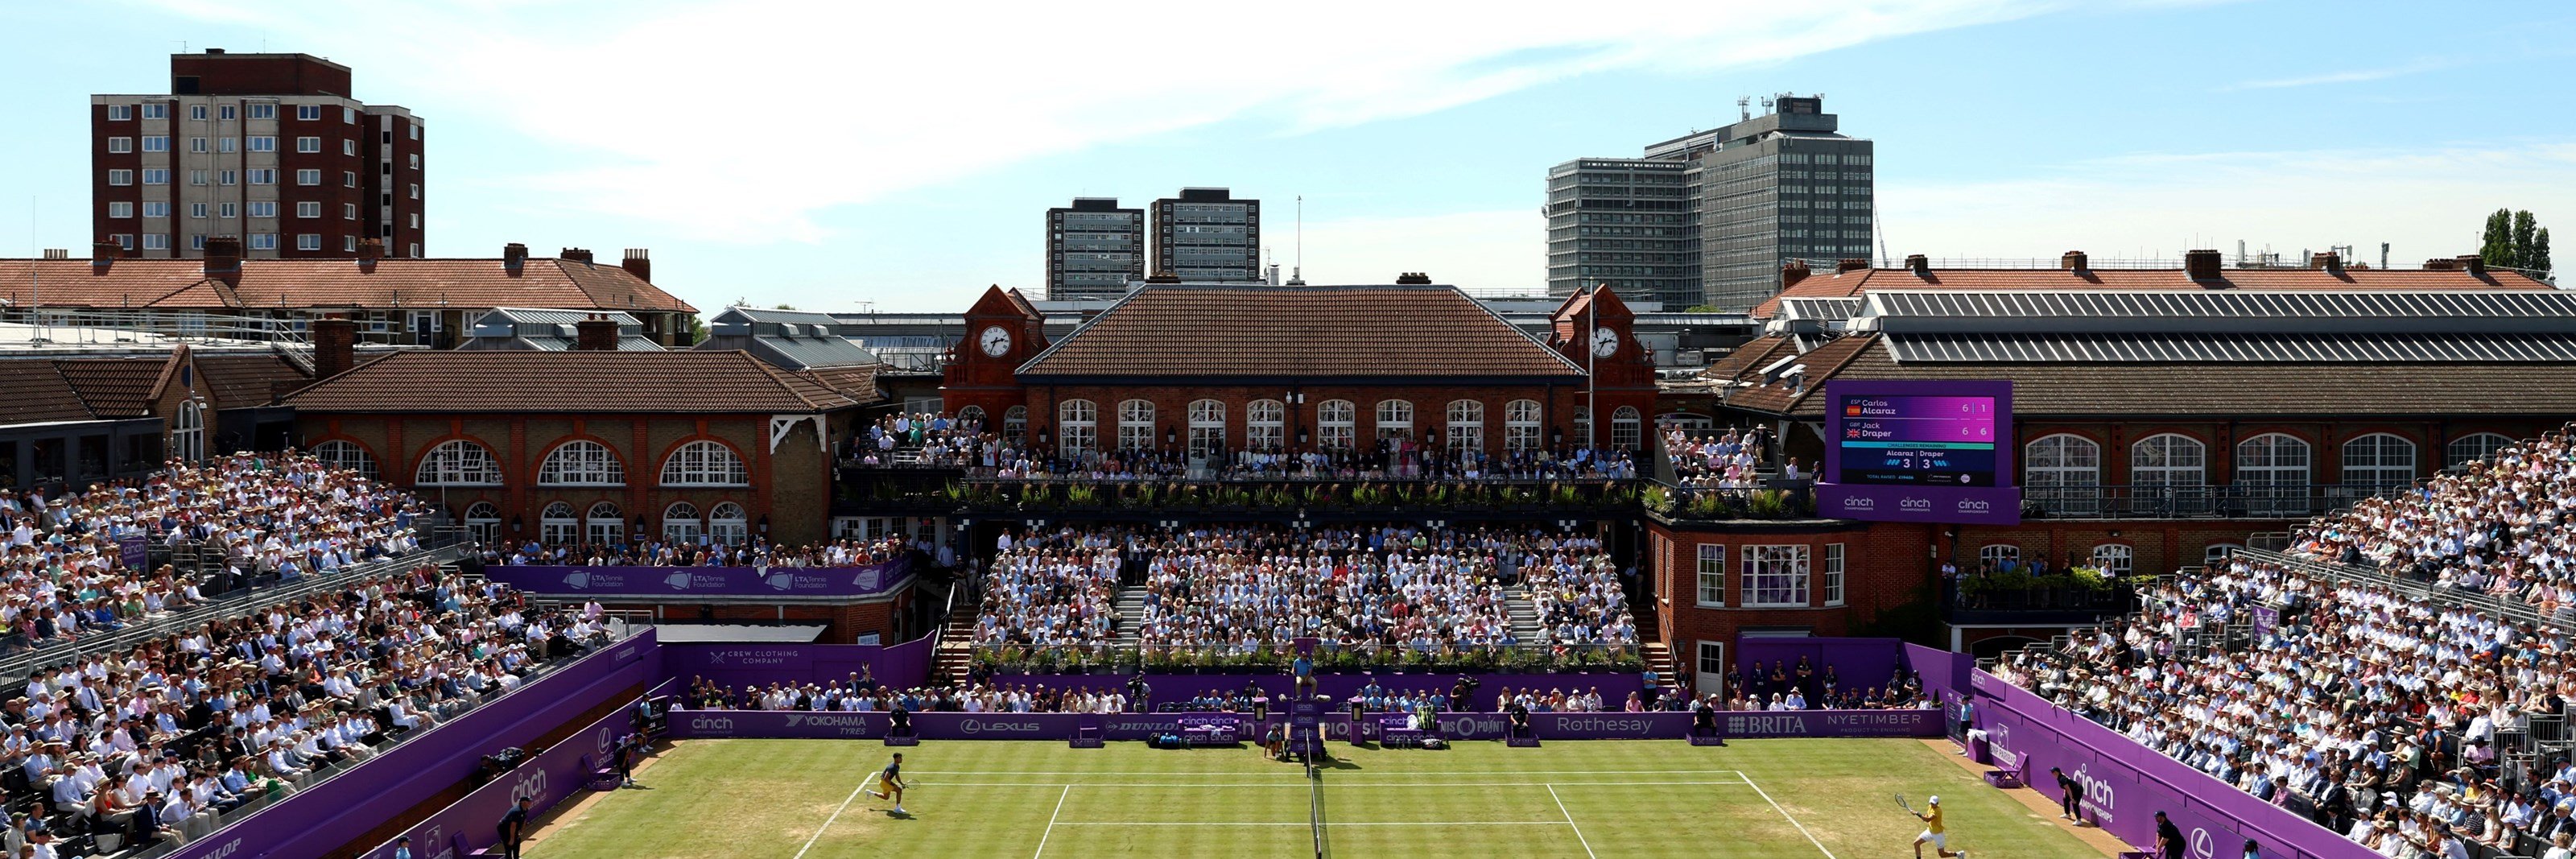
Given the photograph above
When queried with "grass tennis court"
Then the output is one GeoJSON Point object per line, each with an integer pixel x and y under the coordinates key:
{"type": "Point", "coordinates": [1790, 799]}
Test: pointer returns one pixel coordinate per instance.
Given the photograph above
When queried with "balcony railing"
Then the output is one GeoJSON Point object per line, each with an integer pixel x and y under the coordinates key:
{"type": "Point", "coordinates": [2009, 597]}
{"type": "Point", "coordinates": [2239, 501]}
{"type": "Point", "coordinates": [1124, 657]}
{"type": "Point", "coordinates": [1312, 497]}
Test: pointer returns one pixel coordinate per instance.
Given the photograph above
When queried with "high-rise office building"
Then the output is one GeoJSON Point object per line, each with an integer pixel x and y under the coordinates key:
{"type": "Point", "coordinates": [267, 147]}
{"type": "Point", "coordinates": [1748, 197]}
{"type": "Point", "coordinates": [1207, 236]}
{"type": "Point", "coordinates": [1094, 249]}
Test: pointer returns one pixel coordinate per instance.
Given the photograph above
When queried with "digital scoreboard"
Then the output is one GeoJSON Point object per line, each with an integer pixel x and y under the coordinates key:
{"type": "Point", "coordinates": [1919, 451]}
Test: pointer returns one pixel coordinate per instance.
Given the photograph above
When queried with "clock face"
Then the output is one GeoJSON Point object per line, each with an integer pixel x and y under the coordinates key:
{"type": "Point", "coordinates": [1604, 342]}
{"type": "Point", "coordinates": [996, 341]}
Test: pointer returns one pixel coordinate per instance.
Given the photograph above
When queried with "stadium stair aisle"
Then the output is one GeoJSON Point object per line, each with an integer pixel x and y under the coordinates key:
{"type": "Point", "coordinates": [1131, 607]}
{"type": "Point", "coordinates": [956, 644]}
{"type": "Point", "coordinates": [1524, 616]}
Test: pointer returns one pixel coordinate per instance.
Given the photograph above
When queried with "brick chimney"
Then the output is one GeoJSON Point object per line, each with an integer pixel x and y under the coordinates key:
{"type": "Point", "coordinates": [2473, 264]}
{"type": "Point", "coordinates": [2075, 261]}
{"type": "Point", "coordinates": [369, 251]}
{"type": "Point", "coordinates": [2441, 264]}
{"type": "Point", "coordinates": [1791, 272]}
{"type": "Point", "coordinates": [1413, 278]}
{"type": "Point", "coordinates": [639, 262]}
{"type": "Point", "coordinates": [597, 333]}
{"type": "Point", "coordinates": [102, 254]}
{"type": "Point", "coordinates": [1850, 264]}
{"type": "Point", "coordinates": [2330, 262]}
{"type": "Point", "coordinates": [1163, 277]}
{"type": "Point", "coordinates": [1919, 264]}
{"type": "Point", "coordinates": [224, 259]}
{"type": "Point", "coordinates": [335, 346]}
{"type": "Point", "coordinates": [514, 258]}
{"type": "Point", "coordinates": [2203, 264]}
{"type": "Point", "coordinates": [579, 255]}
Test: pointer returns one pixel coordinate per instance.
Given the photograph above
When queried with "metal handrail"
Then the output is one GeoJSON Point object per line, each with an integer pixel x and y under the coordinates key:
{"type": "Point", "coordinates": [2512, 609]}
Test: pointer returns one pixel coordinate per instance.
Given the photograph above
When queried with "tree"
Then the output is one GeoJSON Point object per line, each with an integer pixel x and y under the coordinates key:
{"type": "Point", "coordinates": [2516, 240]}
{"type": "Point", "coordinates": [784, 306]}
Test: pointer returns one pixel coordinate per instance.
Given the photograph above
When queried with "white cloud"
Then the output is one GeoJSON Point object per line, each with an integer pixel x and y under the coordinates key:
{"type": "Point", "coordinates": [693, 113]}
{"type": "Point", "coordinates": [2425, 202]}
{"type": "Point", "coordinates": [2344, 77]}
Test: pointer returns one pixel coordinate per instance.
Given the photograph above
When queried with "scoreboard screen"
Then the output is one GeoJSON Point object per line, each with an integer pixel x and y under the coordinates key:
{"type": "Point", "coordinates": [1906, 440]}
{"type": "Point", "coordinates": [1919, 451]}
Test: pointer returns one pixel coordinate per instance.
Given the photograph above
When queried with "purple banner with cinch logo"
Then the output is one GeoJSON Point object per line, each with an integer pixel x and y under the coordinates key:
{"type": "Point", "coordinates": [682, 582]}
{"type": "Point", "coordinates": [1919, 451]}
{"type": "Point", "coordinates": [131, 552]}
{"type": "Point", "coordinates": [718, 724]}
{"type": "Point", "coordinates": [550, 776]}
{"type": "Point", "coordinates": [326, 818]}
{"type": "Point", "coordinates": [2124, 784]}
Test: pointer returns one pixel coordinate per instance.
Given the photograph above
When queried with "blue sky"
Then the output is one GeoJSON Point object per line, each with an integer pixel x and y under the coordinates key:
{"type": "Point", "coordinates": [828, 155]}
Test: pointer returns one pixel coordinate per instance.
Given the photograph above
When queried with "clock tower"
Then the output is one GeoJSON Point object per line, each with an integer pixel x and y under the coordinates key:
{"type": "Point", "coordinates": [1594, 329]}
{"type": "Point", "coordinates": [1003, 331]}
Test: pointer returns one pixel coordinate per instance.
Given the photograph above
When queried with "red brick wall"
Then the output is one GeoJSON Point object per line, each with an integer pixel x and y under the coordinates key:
{"type": "Point", "coordinates": [1430, 409]}
{"type": "Point", "coordinates": [1885, 565]}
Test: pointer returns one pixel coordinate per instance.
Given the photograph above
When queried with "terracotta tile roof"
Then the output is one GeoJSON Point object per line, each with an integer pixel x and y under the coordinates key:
{"type": "Point", "coordinates": [856, 382]}
{"type": "Point", "coordinates": [2210, 388]}
{"type": "Point", "coordinates": [1822, 362]}
{"type": "Point", "coordinates": [294, 283]}
{"type": "Point", "coordinates": [242, 381]}
{"type": "Point", "coordinates": [1387, 332]}
{"type": "Point", "coordinates": [1749, 356]}
{"type": "Point", "coordinates": [38, 393]}
{"type": "Point", "coordinates": [115, 387]}
{"type": "Point", "coordinates": [515, 381]}
{"type": "Point", "coordinates": [1853, 283]}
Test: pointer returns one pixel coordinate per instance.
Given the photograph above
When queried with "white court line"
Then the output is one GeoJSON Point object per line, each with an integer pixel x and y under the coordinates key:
{"type": "Point", "coordinates": [1793, 820]}
{"type": "Point", "coordinates": [1569, 822]}
{"type": "Point", "coordinates": [1328, 823]}
{"type": "Point", "coordinates": [1301, 785]}
{"type": "Point", "coordinates": [836, 815]}
{"type": "Point", "coordinates": [1050, 830]}
{"type": "Point", "coordinates": [1301, 776]}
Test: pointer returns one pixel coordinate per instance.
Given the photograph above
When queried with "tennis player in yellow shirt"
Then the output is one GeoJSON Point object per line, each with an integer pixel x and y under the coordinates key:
{"type": "Point", "coordinates": [1933, 834]}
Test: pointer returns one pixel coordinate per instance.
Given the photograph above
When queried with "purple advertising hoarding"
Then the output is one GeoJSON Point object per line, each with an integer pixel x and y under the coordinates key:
{"type": "Point", "coordinates": [551, 776]}
{"type": "Point", "coordinates": [346, 807]}
{"type": "Point", "coordinates": [1168, 688]}
{"type": "Point", "coordinates": [1919, 451]}
{"type": "Point", "coordinates": [683, 582]}
{"type": "Point", "coordinates": [717, 724]}
{"type": "Point", "coordinates": [2125, 783]}
{"type": "Point", "coordinates": [131, 552]}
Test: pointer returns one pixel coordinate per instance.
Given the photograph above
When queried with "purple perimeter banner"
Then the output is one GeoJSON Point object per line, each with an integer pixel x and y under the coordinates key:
{"type": "Point", "coordinates": [2125, 783]}
{"type": "Point", "coordinates": [1997, 503]}
{"type": "Point", "coordinates": [713, 724]}
{"type": "Point", "coordinates": [681, 582]}
{"type": "Point", "coordinates": [551, 776]}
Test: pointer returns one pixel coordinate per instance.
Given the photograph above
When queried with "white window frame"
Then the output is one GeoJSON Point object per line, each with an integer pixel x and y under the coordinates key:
{"type": "Point", "coordinates": [308, 145]}
{"type": "Point", "coordinates": [156, 241]}
{"type": "Point", "coordinates": [1776, 576]}
{"type": "Point", "coordinates": [120, 145]}
{"type": "Point", "coordinates": [705, 463]}
{"type": "Point", "coordinates": [1015, 424]}
{"type": "Point", "coordinates": [2379, 461]}
{"type": "Point", "coordinates": [261, 143]}
{"type": "Point", "coordinates": [308, 209]}
{"type": "Point", "coordinates": [2474, 447]}
{"type": "Point", "coordinates": [2158, 461]}
{"type": "Point", "coordinates": [120, 210]}
{"type": "Point", "coordinates": [1464, 428]}
{"type": "Point", "coordinates": [2115, 559]}
{"type": "Point", "coordinates": [263, 111]}
{"type": "Point", "coordinates": [156, 143]}
{"type": "Point", "coordinates": [1627, 428]}
{"type": "Point", "coordinates": [261, 241]}
{"type": "Point", "coordinates": [1394, 419]}
{"type": "Point", "coordinates": [602, 529]}
{"type": "Point", "coordinates": [120, 112]}
{"type": "Point", "coordinates": [262, 208]}
{"type": "Point", "coordinates": [308, 112]}
{"type": "Point", "coordinates": [1207, 428]}
{"type": "Point", "coordinates": [346, 456]}
{"type": "Point", "coordinates": [308, 241]}
{"type": "Point", "coordinates": [581, 462]}
{"type": "Point", "coordinates": [1077, 428]}
{"type": "Point", "coordinates": [1998, 554]}
{"type": "Point", "coordinates": [483, 522]}
{"type": "Point", "coordinates": [156, 175]}
{"type": "Point", "coordinates": [308, 177]}
{"type": "Point", "coordinates": [557, 526]}
{"type": "Point", "coordinates": [1265, 426]}
{"type": "Point", "coordinates": [120, 177]}
{"type": "Point", "coordinates": [1711, 575]}
{"type": "Point", "coordinates": [2215, 554]}
{"type": "Point", "coordinates": [457, 462]}
{"type": "Point", "coordinates": [1335, 425]}
{"type": "Point", "coordinates": [1834, 555]}
{"type": "Point", "coordinates": [156, 208]}
{"type": "Point", "coordinates": [680, 524]}
{"type": "Point", "coordinates": [1521, 425]}
{"type": "Point", "coordinates": [725, 524]}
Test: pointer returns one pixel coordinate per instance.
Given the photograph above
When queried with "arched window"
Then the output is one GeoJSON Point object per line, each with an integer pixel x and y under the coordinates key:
{"type": "Point", "coordinates": [680, 523]}
{"type": "Point", "coordinates": [1521, 425]}
{"type": "Point", "coordinates": [704, 463]}
{"type": "Point", "coordinates": [603, 524]}
{"type": "Point", "coordinates": [725, 524]}
{"type": "Point", "coordinates": [1015, 424]}
{"type": "Point", "coordinates": [2063, 473]}
{"type": "Point", "coordinates": [2472, 448]}
{"type": "Point", "coordinates": [971, 417]}
{"type": "Point", "coordinates": [1583, 427]}
{"type": "Point", "coordinates": [2114, 559]}
{"type": "Point", "coordinates": [188, 435]}
{"type": "Point", "coordinates": [1265, 426]}
{"type": "Point", "coordinates": [1466, 425]}
{"type": "Point", "coordinates": [483, 522]}
{"type": "Point", "coordinates": [1077, 428]}
{"type": "Point", "coordinates": [1394, 419]}
{"type": "Point", "coordinates": [556, 525]}
{"type": "Point", "coordinates": [1136, 425]}
{"type": "Point", "coordinates": [346, 456]}
{"type": "Point", "coordinates": [1207, 429]}
{"type": "Point", "coordinates": [1996, 556]}
{"type": "Point", "coordinates": [2217, 554]}
{"type": "Point", "coordinates": [1627, 428]}
{"type": "Point", "coordinates": [1336, 425]}
{"type": "Point", "coordinates": [581, 463]}
{"type": "Point", "coordinates": [2378, 462]}
{"type": "Point", "coordinates": [457, 463]}
{"type": "Point", "coordinates": [2168, 461]}
{"type": "Point", "coordinates": [2272, 471]}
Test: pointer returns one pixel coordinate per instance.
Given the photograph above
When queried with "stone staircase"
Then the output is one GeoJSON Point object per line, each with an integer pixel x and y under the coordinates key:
{"type": "Point", "coordinates": [1524, 617]}
{"type": "Point", "coordinates": [956, 645]}
{"type": "Point", "coordinates": [1131, 609]}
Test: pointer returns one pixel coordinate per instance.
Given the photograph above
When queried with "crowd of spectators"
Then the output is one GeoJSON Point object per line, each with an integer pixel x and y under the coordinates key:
{"type": "Point", "coordinates": [2497, 527]}
{"type": "Point", "coordinates": [939, 440]}
{"type": "Point", "coordinates": [1777, 685]}
{"type": "Point", "coordinates": [1704, 459]}
{"type": "Point", "coordinates": [660, 553]}
{"type": "Point", "coordinates": [935, 439]}
{"type": "Point", "coordinates": [1057, 589]}
{"type": "Point", "coordinates": [1578, 593]}
{"type": "Point", "coordinates": [861, 693]}
{"type": "Point", "coordinates": [153, 742]}
{"type": "Point", "coordinates": [63, 564]}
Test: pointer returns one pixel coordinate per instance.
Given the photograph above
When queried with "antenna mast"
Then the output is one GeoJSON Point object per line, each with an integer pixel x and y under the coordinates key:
{"type": "Point", "coordinates": [1298, 274]}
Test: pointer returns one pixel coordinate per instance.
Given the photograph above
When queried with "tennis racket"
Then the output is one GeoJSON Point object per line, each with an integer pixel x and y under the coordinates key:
{"type": "Point", "coordinates": [1901, 803]}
